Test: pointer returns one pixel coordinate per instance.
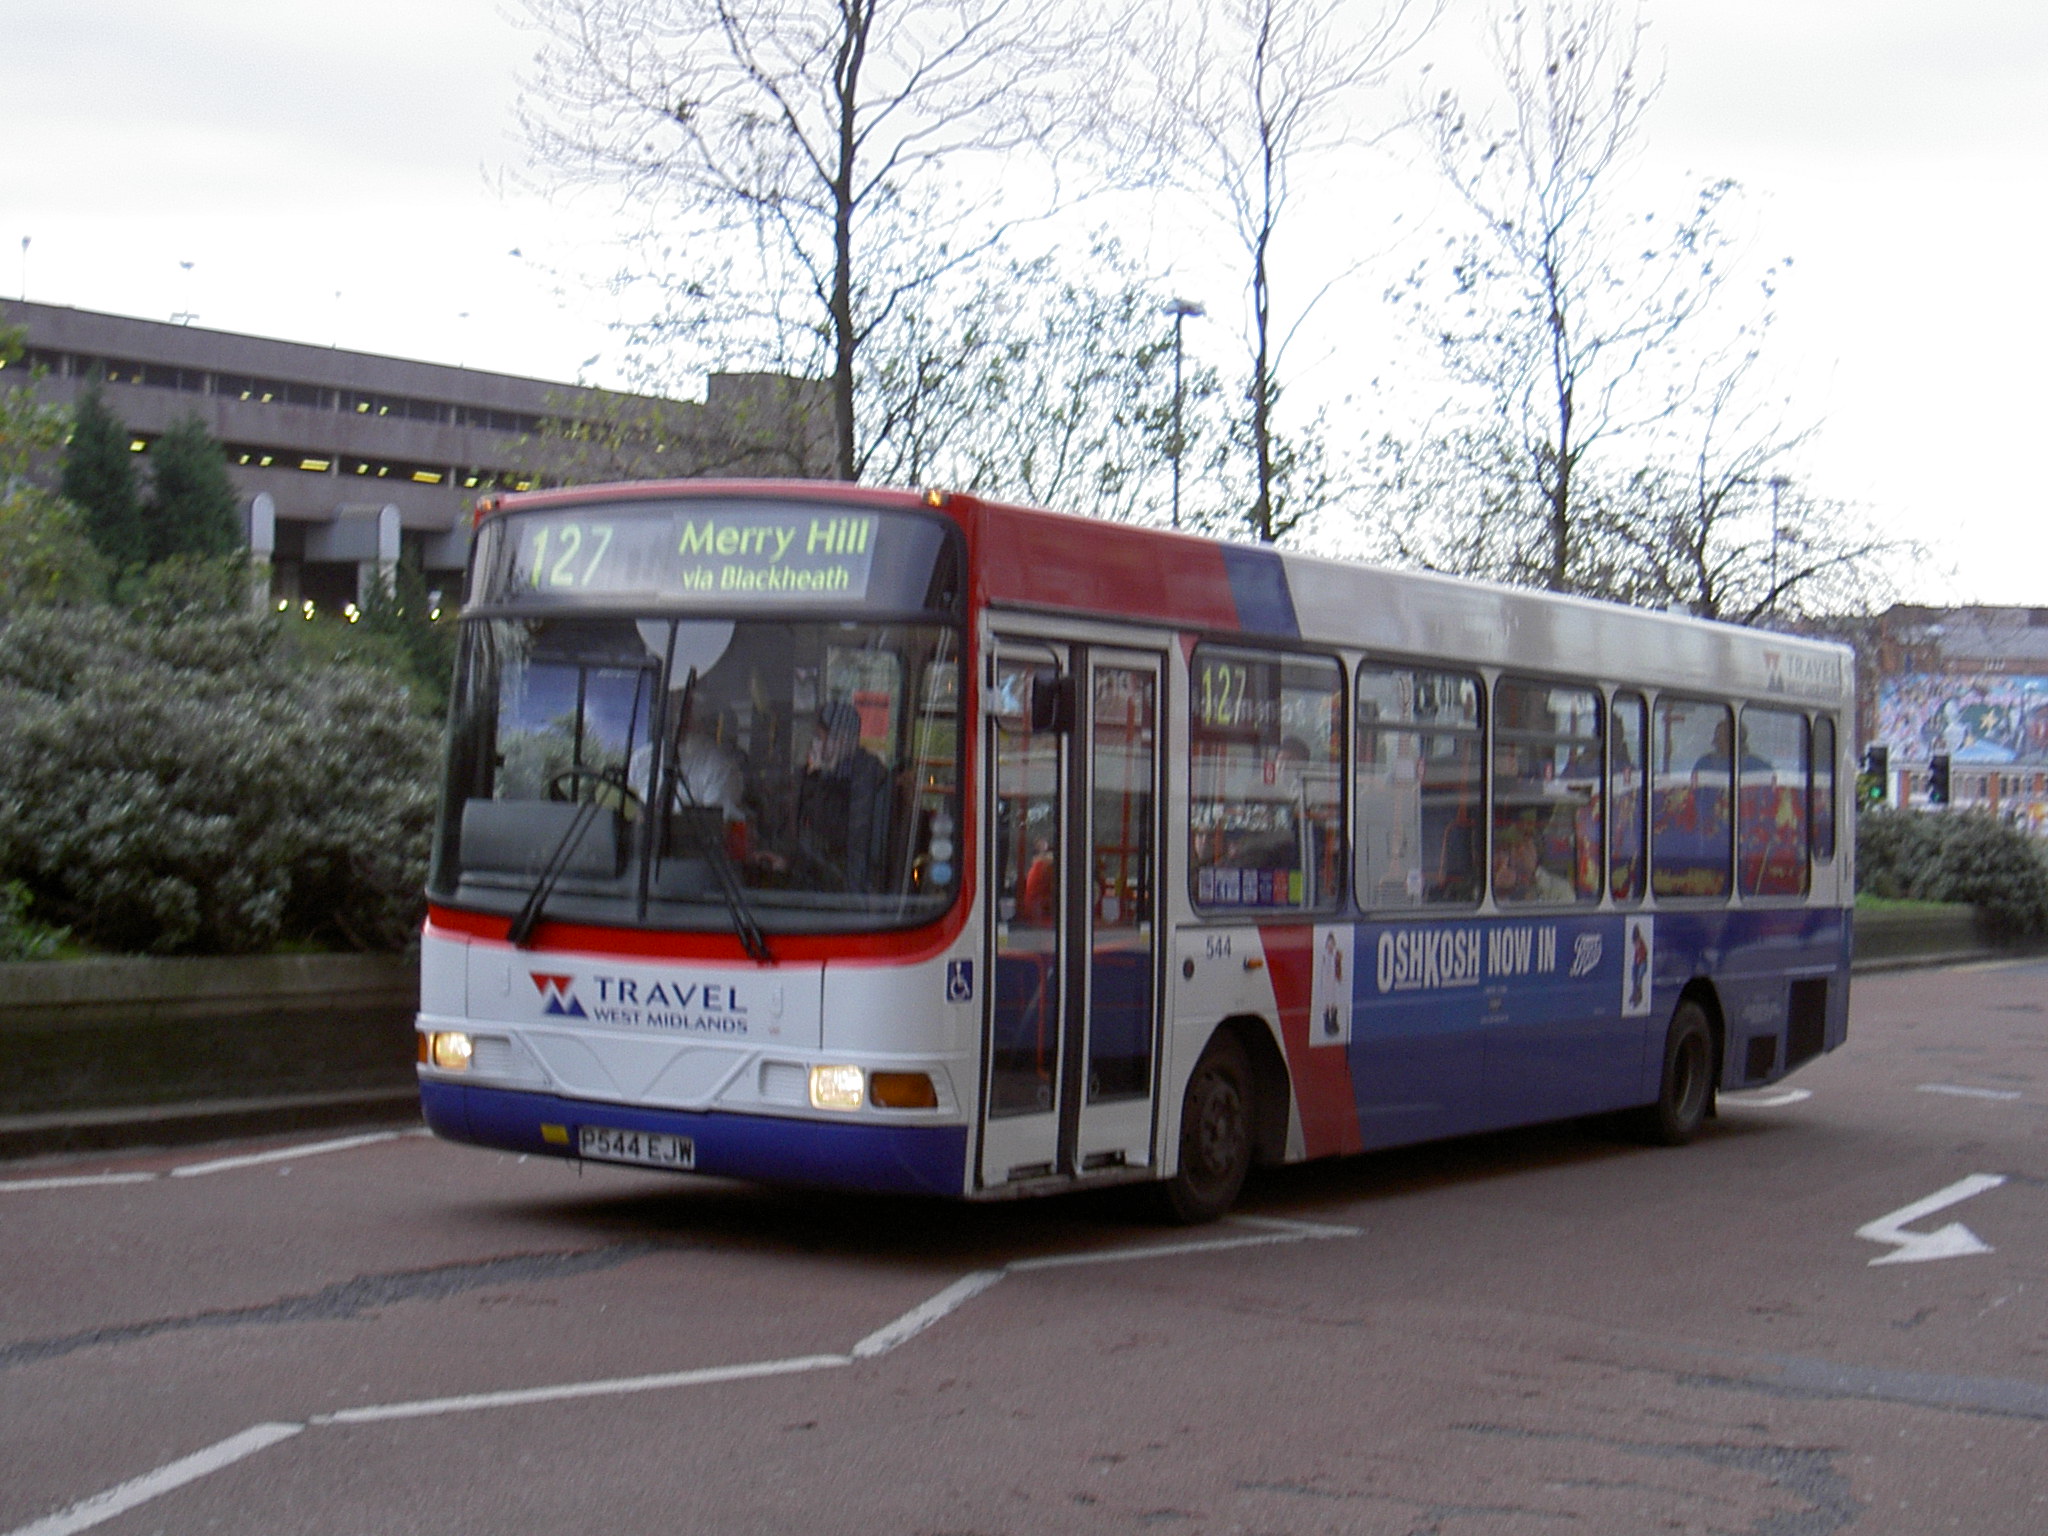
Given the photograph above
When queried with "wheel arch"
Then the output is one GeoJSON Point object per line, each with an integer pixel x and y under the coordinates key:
{"type": "Point", "coordinates": [1702, 991]}
{"type": "Point", "coordinates": [1271, 1086]}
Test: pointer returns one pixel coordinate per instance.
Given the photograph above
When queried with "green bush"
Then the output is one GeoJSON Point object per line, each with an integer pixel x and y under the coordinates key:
{"type": "Point", "coordinates": [46, 561]}
{"type": "Point", "coordinates": [1997, 870]}
{"type": "Point", "coordinates": [1969, 857]}
{"type": "Point", "coordinates": [1895, 853]}
{"type": "Point", "coordinates": [191, 783]}
{"type": "Point", "coordinates": [20, 937]}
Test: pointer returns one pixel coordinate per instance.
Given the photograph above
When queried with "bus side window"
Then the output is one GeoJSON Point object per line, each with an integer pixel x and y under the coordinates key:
{"type": "Point", "coordinates": [1692, 778]}
{"type": "Point", "coordinates": [1265, 779]}
{"type": "Point", "coordinates": [1771, 805]}
{"type": "Point", "coordinates": [1421, 786]}
{"type": "Point", "coordinates": [1628, 842]}
{"type": "Point", "coordinates": [1823, 783]}
{"type": "Point", "coordinates": [1547, 837]}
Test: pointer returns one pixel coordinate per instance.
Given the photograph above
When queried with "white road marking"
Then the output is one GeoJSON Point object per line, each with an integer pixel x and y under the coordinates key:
{"type": "Point", "coordinates": [1953, 1241]}
{"type": "Point", "coordinates": [78, 1181]}
{"type": "Point", "coordinates": [1303, 1228]}
{"type": "Point", "coordinates": [1775, 1098]}
{"type": "Point", "coordinates": [198, 1170]}
{"type": "Point", "coordinates": [925, 1313]}
{"type": "Point", "coordinates": [1960, 1092]}
{"type": "Point", "coordinates": [140, 1490]}
{"type": "Point", "coordinates": [1165, 1250]}
{"type": "Point", "coordinates": [104, 1506]}
{"type": "Point", "coordinates": [283, 1154]}
{"type": "Point", "coordinates": [567, 1391]}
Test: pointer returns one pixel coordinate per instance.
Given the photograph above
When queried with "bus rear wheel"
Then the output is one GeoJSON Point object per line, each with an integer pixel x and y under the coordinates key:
{"type": "Point", "coordinates": [1215, 1134]}
{"type": "Point", "coordinates": [1687, 1087]}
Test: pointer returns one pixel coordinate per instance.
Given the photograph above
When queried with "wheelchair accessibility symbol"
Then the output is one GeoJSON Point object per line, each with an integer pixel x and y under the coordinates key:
{"type": "Point", "coordinates": [959, 981]}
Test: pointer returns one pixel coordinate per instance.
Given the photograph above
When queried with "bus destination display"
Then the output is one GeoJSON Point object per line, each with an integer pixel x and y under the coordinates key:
{"type": "Point", "coordinates": [720, 554]}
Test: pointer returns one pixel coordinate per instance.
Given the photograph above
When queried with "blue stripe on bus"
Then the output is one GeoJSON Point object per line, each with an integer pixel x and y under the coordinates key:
{"type": "Point", "coordinates": [1258, 585]}
{"type": "Point", "coordinates": [1478, 1022]}
{"type": "Point", "coordinates": [895, 1159]}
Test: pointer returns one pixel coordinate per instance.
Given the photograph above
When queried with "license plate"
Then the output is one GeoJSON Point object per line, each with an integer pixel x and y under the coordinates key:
{"type": "Point", "coordinates": [650, 1149]}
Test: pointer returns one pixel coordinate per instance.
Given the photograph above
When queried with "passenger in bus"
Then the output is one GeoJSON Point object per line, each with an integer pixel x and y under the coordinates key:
{"type": "Point", "coordinates": [1519, 873]}
{"type": "Point", "coordinates": [1458, 867]}
{"type": "Point", "coordinates": [1037, 889]}
{"type": "Point", "coordinates": [842, 804]}
{"type": "Point", "coordinates": [1715, 759]}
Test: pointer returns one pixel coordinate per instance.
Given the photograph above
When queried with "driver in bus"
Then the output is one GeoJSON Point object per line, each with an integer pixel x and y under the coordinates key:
{"type": "Point", "coordinates": [706, 774]}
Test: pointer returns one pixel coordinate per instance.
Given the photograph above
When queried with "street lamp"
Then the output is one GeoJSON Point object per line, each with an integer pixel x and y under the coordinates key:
{"type": "Point", "coordinates": [1181, 310]}
{"type": "Point", "coordinates": [188, 314]}
{"type": "Point", "coordinates": [1778, 484]}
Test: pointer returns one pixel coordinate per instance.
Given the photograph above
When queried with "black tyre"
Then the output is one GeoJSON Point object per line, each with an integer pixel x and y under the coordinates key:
{"type": "Point", "coordinates": [1687, 1090]}
{"type": "Point", "coordinates": [1215, 1134]}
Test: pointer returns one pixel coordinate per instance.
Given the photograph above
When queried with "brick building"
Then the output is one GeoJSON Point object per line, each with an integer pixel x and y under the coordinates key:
{"type": "Point", "coordinates": [345, 460]}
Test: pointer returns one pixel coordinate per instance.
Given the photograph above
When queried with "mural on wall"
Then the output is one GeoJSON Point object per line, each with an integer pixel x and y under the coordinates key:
{"type": "Point", "coordinates": [1981, 719]}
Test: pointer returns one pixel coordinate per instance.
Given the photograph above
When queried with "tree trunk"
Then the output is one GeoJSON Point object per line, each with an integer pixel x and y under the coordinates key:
{"type": "Point", "coordinates": [845, 341]}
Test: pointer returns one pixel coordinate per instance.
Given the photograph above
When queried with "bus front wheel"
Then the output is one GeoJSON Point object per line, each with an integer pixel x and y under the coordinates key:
{"type": "Point", "coordinates": [1687, 1087]}
{"type": "Point", "coordinates": [1215, 1134]}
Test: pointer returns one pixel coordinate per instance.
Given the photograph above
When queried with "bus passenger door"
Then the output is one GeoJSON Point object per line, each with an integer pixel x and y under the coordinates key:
{"type": "Point", "coordinates": [1071, 1021]}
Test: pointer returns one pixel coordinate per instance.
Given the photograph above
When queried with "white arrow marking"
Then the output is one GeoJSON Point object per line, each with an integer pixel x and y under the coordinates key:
{"type": "Point", "coordinates": [1953, 1241]}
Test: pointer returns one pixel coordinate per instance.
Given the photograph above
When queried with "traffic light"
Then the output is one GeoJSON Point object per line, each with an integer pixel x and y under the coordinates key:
{"type": "Point", "coordinates": [1873, 785]}
{"type": "Point", "coordinates": [1937, 779]}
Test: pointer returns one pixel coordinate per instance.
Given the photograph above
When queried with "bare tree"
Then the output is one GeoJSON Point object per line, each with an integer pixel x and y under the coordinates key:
{"type": "Point", "coordinates": [1041, 379]}
{"type": "Point", "coordinates": [1728, 530]}
{"type": "Point", "coordinates": [1247, 93]}
{"type": "Point", "coordinates": [1561, 312]}
{"type": "Point", "coordinates": [1714, 518]}
{"type": "Point", "coordinates": [805, 127]}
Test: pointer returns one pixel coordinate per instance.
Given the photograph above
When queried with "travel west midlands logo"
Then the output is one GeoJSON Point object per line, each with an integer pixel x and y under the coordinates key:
{"type": "Point", "coordinates": [560, 993]}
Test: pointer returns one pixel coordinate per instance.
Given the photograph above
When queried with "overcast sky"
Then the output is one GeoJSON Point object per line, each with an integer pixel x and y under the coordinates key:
{"type": "Point", "coordinates": [337, 173]}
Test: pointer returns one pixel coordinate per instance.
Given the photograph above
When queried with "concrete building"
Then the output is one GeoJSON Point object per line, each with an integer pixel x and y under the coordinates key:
{"type": "Point", "coordinates": [1970, 684]}
{"type": "Point", "coordinates": [346, 460]}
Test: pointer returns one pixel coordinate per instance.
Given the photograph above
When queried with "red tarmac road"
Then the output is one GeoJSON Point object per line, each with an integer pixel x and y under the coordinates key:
{"type": "Point", "coordinates": [1548, 1331]}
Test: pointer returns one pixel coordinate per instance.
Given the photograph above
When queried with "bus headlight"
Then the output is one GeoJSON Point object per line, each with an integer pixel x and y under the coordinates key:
{"type": "Point", "coordinates": [450, 1050]}
{"type": "Point", "coordinates": [837, 1087]}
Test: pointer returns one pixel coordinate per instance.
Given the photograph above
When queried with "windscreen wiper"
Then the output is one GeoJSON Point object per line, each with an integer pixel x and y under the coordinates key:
{"type": "Point", "coordinates": [537, 899]}
{"type": "Point", "coordinates": [744, 924]}
{"type": "Point", "coordinates": [751, 935]}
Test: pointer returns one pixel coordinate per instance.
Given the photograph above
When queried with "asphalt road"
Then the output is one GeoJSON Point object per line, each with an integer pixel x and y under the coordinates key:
{"type": "Point", "coordinates": [1548, 1331]}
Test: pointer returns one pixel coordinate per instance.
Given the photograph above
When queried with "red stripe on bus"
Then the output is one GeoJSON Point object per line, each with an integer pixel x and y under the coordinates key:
{"type": "Point", "coordinates": [897, 946]}
{"type": "Point", "coordinates": [1322, 1074]}
{"type": "Point", "coordinates": [1042, 560]}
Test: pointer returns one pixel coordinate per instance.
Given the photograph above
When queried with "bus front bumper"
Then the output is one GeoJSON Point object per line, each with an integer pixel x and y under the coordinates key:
{"type": "Point", "coordinates": [770, 1149]}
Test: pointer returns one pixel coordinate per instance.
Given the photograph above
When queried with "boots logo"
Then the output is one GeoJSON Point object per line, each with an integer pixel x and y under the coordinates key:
{"type": "Point", "coordinates": [560, 992]}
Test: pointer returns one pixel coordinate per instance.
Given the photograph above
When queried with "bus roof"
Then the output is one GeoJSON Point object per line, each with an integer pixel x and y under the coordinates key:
{"type": "Point", "coordinates": [1057, 562]}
